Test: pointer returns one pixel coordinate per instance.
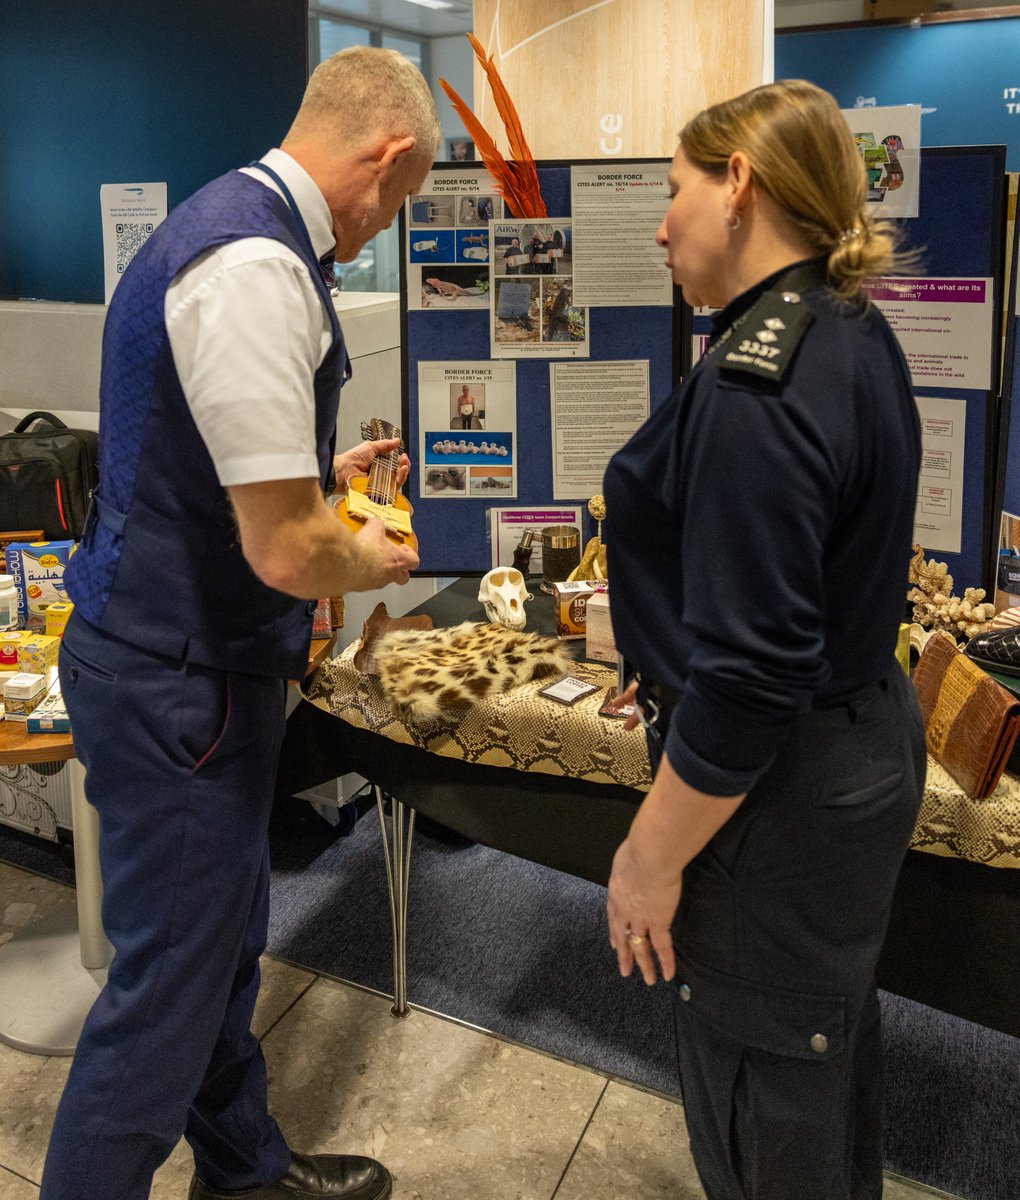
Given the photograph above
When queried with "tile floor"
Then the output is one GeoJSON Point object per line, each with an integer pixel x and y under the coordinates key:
{"type": "Point", "coordinates": [456, 1114]}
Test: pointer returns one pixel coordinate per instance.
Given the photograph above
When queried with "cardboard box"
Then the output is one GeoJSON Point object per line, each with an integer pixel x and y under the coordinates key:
{"type": "Point", "coordinates": [38, 572]}
{"type": "Point", "coordinates": [56, 617]}
{"type": "Point", "coordinates": [23, 693]}
{"type": "Point", "coordinates": [10, 643]}
{"type": "Point", "coordinates": [599, 643]}
{"type": "Point", "coordinates": [37, 653]}
{"type": "Point", "coordinates": [51, 715]}
{"type": "Point", "coordinates": [570, 602]}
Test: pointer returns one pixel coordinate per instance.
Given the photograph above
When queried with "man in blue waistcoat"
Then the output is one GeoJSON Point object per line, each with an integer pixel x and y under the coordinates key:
{"type": "Point", "coordinates": [194, 586]}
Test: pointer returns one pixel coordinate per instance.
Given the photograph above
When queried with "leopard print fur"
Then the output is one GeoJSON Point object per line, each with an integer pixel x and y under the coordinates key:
{"type": "Point", "coordinates": [429, 673]}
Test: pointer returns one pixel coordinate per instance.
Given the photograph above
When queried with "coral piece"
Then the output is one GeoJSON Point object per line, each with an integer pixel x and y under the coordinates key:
{"type": "Point", "coordinates": [935, 606]}
{"type": "Point", "coordinates": [593, 560]}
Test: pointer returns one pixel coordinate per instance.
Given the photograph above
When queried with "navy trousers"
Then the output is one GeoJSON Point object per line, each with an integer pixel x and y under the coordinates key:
{"type": "Point", "coordinates": [180, 762]}
{"type": "Point", "coordinates": [781, 921]}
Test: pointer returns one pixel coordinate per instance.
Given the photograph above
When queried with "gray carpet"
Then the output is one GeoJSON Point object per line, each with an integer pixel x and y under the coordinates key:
{"type": "Point", "coordinates": [521, 950]}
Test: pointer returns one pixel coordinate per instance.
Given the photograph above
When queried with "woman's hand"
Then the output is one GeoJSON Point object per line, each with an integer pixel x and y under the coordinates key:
{"type": "Point", "coordinates": [358, 461]}
{"type": "Point", "coordinates": [641, 907]}
{"type": "Point", "coordinates": [625, 700]}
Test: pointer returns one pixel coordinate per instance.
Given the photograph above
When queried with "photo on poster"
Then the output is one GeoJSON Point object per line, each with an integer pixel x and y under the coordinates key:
{"type": "Point", "coordinates": [446, 480]}
{"type": "Point", "coordinates": [516, 317]}
{"type": "Point", "coordinates": [433, 246]}
{"type": "Point", "coordinates": [452, 287]}
{"type": "Point", "coordinates": [460, 150]}
{"type": "Point", "coordinates": [472, 245]}
{"type": "Point", "coordinates": [531, 310]}
{"type": "Point", "coordinates": [443, 448]}
{"type": "Point", "coordinates": [467, 405]}
{"type": "Point", "coordinates": [507, 527]}
{"type": "Point", "coordinates": [490, 481]}
{"type": "Point", "coordinates": [447, 244]}
{"type": "Point", "coordinates": [889, 141]}
{"type": "Point", "coordinates": [1007, 563]}
{"type": "Point", "coordinates": [467, 415]}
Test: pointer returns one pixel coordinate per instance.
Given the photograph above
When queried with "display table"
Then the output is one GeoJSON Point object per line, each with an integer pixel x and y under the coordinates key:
{"type": "Point", "coordinates": [954, 938]}
{"type": "Point", "coordinates": [52, 971]}
{"type": "Point", "coordinates": [555, 785]}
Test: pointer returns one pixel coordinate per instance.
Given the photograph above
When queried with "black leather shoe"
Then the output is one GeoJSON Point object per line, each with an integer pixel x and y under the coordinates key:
{"type": "Point", "coordinates": [347, 1176]}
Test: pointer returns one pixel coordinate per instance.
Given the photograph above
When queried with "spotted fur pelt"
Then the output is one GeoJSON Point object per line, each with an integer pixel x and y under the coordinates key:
{"type": "Point", "coordinates": [432, 672]}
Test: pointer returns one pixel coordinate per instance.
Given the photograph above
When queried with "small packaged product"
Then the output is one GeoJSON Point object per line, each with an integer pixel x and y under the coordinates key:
{"type": "Point", "coordinates": [50, 716]}
{"type": "Point", "coordinates": [10, 642]}
{"type": "Point", "coordinates": [570, 602]}
{"type": "Point", "coordinates": [37, 653]}
{"type": "Point", "coordinates": [22, 695]}
{"type": "Point", "coordinates": [599, 643]}
{"type": "Point", "coordinates": [57, 614]}
{"type": "Point", "coordinates": [38, 572]}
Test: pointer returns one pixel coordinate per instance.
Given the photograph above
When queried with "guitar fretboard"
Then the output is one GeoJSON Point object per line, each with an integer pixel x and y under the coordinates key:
{"type": "Point", "coordinates": [382, 475]}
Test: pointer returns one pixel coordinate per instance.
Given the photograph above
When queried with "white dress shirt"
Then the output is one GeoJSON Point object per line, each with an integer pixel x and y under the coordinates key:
{"type": "Point", "coordinates": [248, 332]}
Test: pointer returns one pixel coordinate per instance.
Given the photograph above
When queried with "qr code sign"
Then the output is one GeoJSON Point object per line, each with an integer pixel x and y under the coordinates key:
{"type": "Point", "coordinates": [130, 237]}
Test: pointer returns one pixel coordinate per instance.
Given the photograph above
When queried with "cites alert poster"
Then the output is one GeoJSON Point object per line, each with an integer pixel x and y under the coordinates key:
{"type": "Point", "coordinates": [467, 417]}
{"type": "Point", "coordinates": [532, 313]}
{"type": "Point", "coordinates": [447, 249]}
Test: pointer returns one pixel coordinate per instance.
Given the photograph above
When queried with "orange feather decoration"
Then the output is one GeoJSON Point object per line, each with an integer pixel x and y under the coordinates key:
{"type": "Point", "coordinates": [516, 180]}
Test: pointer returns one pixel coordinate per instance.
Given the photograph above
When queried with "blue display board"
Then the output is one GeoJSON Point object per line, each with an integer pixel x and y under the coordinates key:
{"type": "Point", "coordinates": [453, 534]}
{"type": "Point", "coordinates": [959, 232]}
{"type": "Point", "coordinates": [1007, 493]}
{"type": "Point", "coordinates": [963, 74]}
{"type": "Point", "coordinates": [116, 91]}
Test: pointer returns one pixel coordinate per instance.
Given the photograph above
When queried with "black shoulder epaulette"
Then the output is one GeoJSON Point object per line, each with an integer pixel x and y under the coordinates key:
{"type": "Point", "coordinates": [763, 342]}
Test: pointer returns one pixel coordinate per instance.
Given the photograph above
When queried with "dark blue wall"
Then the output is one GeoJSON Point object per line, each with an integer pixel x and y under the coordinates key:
{"type": "Point", "coordinates": [128, 91]}
{"type": "Point", "coordinates": [959, 72]}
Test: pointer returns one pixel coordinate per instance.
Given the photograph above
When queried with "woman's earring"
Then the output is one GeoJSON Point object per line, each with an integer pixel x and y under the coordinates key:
{"type": "Point", "coordinates": [732, 222]}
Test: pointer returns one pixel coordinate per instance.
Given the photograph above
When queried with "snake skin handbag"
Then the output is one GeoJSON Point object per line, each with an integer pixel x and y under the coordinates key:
{"type": "Point", "coordinates": [970, 721]}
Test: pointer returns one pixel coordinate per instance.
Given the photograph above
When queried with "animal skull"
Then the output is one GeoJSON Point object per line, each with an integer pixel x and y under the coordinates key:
{"type": "Point", "coordinates": [502, 593]}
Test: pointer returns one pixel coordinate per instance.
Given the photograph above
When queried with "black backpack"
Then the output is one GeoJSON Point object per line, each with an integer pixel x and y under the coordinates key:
{"type": "Point", "coordinates": [47, 476]}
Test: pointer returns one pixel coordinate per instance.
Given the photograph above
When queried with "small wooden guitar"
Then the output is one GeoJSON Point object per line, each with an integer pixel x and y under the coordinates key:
{"type": "Point", "coordinates": [376, 494]}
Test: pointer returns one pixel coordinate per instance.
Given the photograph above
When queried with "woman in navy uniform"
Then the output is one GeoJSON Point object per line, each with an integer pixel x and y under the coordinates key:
{"type": "Point", "coordinates": [759, 530]}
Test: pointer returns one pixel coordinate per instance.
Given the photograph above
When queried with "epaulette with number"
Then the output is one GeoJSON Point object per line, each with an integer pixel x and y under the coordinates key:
{"type": "Point", "coordinates": [764, 340]}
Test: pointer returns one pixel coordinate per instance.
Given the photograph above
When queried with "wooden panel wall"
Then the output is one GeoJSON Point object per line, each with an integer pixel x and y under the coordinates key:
{"type": "Point", "coordinates": [615, 78]}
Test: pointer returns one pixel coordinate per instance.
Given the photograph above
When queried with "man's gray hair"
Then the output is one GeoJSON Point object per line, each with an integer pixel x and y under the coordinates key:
{"type": "Point", "coordinates": [367, 91]}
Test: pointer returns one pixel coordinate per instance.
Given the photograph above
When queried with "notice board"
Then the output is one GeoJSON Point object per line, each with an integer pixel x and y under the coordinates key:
{"type": "Point", "coordinates": [463, 291]}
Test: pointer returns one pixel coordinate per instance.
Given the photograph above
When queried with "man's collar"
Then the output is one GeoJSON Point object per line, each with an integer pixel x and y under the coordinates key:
{"type": "Point", "coordinates": [310, 201]}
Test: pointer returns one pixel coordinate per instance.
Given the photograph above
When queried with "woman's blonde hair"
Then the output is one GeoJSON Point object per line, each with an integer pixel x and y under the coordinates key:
{"type": "Point", "coordinates": [802, 156]}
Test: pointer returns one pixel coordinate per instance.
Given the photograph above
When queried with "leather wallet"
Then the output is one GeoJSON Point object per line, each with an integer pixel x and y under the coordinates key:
{"type": "Point", "coordinates": [970, 721]}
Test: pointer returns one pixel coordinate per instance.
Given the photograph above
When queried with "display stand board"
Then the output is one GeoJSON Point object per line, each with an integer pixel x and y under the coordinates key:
{"type": "Point", "coordinates": [1005, 529]}
{"type": "Point", "coordinates": [449, 321]}
{"type": "Point", "coordinates": [959, 232]}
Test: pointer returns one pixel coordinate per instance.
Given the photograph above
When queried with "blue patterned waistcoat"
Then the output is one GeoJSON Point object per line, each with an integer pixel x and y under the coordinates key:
{"type": "Point", "coordinates": [160, 564]}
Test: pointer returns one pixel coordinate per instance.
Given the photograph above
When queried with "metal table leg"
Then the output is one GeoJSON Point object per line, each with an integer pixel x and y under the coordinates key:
{"type": "Point", "coordinates": [52, 972]}
{"type": "Point", "coordinates": [398, 871]}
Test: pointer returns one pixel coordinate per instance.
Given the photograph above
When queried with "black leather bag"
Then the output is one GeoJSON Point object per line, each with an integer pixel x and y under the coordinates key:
{"type": "Point", "coordinates": [47, 476]}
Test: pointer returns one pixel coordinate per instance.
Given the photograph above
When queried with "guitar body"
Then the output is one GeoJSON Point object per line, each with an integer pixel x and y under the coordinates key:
{"type": "Point", "coordinates": [400, 504]}
{"type": "Point", "coordinates": [375, 495]}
